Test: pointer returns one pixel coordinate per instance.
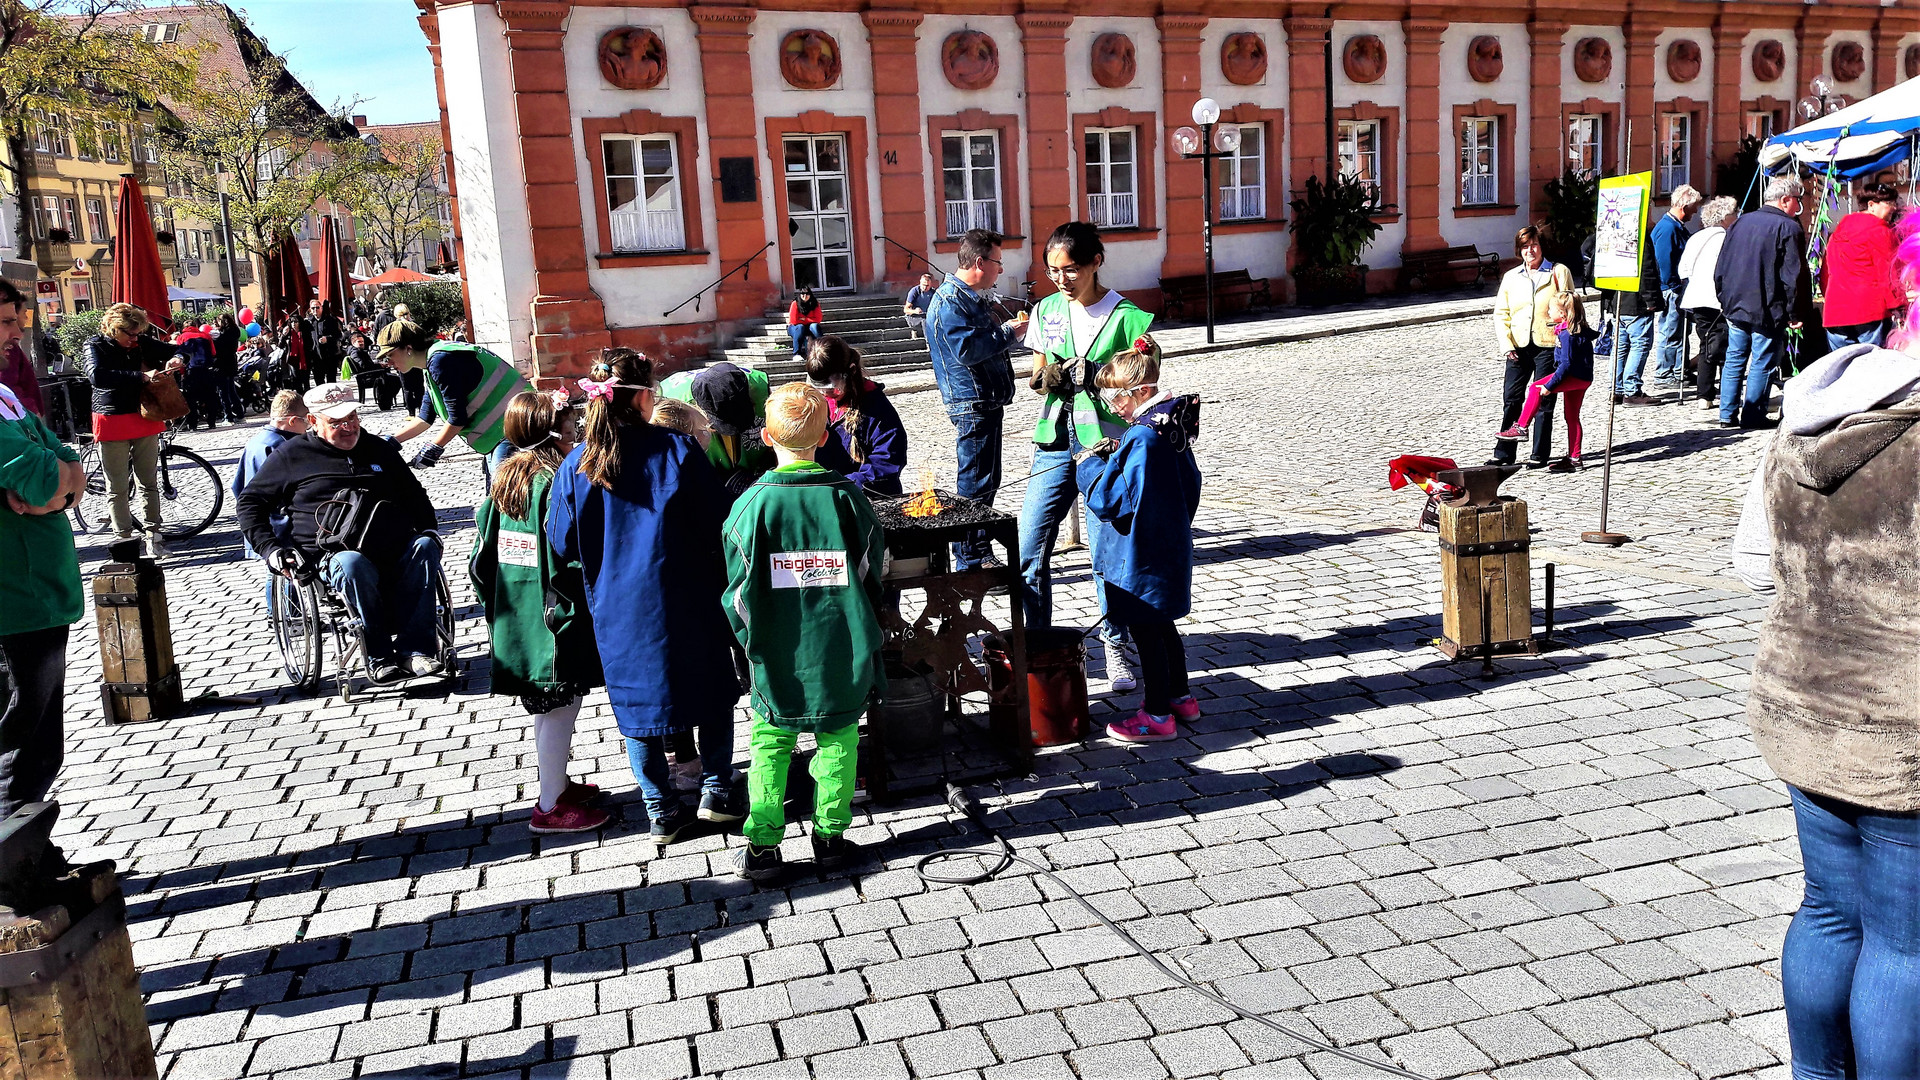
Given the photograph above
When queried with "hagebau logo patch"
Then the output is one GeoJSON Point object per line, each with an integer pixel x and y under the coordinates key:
{"type": "Point", "coordinates": [808, 569]}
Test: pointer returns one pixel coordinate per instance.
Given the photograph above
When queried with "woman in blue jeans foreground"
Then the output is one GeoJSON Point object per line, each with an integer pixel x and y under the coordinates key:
{"type": "Point", "coordinates": [1830, 525]}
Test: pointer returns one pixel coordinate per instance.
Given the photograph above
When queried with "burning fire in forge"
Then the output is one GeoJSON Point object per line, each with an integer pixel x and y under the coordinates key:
{"type": "Point", "coordinates": [926, 504]}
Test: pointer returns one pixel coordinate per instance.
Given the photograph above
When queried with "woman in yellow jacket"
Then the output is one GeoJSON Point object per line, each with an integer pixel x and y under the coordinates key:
{"type": "Point", "coordinates": [1525, 340]}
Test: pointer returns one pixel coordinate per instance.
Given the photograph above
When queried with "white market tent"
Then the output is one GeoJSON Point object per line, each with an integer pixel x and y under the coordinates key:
{"type": "Point", "coordinates": [1870, 135]}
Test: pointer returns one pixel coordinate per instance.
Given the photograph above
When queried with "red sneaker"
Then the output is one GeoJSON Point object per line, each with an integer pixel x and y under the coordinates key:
{"type": "Point", "coordinates": [567, 818]}
{"type": "Point", "coordinates": [579, 794]}
{"type": "Point", "coordinates": [1143, 728]}
{"type": "Point", "coordinates": [1186, 710]}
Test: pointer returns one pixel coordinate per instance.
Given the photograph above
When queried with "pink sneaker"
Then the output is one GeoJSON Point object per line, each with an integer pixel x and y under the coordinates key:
{"type": "Point", "coordinates": [1142, 727]}
{"type": "Point", "coordinates": [567, 818]}
{"type": "Point", "coordinates": [579, 793]}
{"type": "Point", "coordinates": [1512, 434]}
{"type": "Point", "coordinates": [1186, 710]}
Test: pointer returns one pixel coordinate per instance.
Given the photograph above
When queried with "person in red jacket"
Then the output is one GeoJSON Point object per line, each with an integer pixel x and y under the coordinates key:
{"type": "Point", "coordinates": [803, 321]}
{"type": "Point", "coordinates": [1858, 279]}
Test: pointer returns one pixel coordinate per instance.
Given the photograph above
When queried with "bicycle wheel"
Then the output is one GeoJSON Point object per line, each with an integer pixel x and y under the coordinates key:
{"type": "Point", "coordinates": [191, 494]}
{"type": "Point", "coordinates": [293, 607]}
{"type": "Point", "coordinates": [92, 510]}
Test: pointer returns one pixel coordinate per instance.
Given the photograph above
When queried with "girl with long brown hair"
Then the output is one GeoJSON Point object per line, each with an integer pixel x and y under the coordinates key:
{"type": "Point", "coordinates": [640, 509]}
{"type": "Point", "coordinates": [869, 443]}
{"type": "Point", "coordinates": [540, 638]}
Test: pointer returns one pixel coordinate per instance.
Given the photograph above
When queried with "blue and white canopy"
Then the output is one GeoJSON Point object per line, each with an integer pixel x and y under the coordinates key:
{"type": "Point", "coordinates": [1865, 137]}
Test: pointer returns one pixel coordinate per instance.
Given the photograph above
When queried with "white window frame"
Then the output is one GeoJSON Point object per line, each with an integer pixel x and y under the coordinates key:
{"type": "Point", "coordinates": [970, 213]}
{"type": "Point", "coordinates": [1586, 143]}
{"type": "Point", "coordinates": [1348, 147]}
{"type": "Point", "coordinates": [71, 208]}
{"type": "Point", "coordinates": [1672, 173]}
{"type": "Point", "coordinates": [1479, 161]}
{"type": "Point", "coordinates": [651, 228]}
{"type": "Point", "coordinates": [1239, 200]}
{"type": "Point", "coordinates": [157, 33]}
{"type": "Point", "coordinates": [270, 164]}
{"type": "Point", "coordinates": [149, 149]}
{"type": "Point", "coordinates": [97, 218]}
{"type": "Point", "coordinates": [1107, 208]}
{"type": "Point", "coordinates": [1763, 119]}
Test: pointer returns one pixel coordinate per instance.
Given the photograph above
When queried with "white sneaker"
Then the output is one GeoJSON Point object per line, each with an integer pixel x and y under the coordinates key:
{"type": "Point", "coordinates": [686, 775]}
{"type": "Point", "coordinates": [153, 547]}
{"type": "Point", "coordinates": [1119, 676]}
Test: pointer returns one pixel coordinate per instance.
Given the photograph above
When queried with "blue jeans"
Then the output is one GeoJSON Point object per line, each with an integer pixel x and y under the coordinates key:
{"type": "Point", "coordinates": [800, 332]}
{"type": "Point", "coordinates": [1672, 336]}
{"type": "Point", "coordinates": [648, 757]}
{"type": "Point", "coordinates": [1751, 356]}
{"type": "Point", "coordinates": [1874, 333]}
{"type": "Point", "coordinates": [1050, 496]}
{"type": "Point", "coordinates": [1632, 347]}
{"type": "Point", "coordinates": [395, 602]}
{"type": "Point", "coordinates": [1850, 967]}
{"type": "Point", "coordinates": [491, 461]}
{"type": "Point", "coordinates": [977, 445]}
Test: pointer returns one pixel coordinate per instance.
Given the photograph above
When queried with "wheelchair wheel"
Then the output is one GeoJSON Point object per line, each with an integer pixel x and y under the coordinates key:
{"type": "Point", "coordinates": [294, 609]}
{"type": "Point", "coordinates": [350, 647]}
{"type": "Point", "coordinates": [443, 624]}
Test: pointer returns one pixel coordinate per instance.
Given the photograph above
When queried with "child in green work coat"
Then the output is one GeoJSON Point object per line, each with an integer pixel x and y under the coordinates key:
{"type": "Point", "coordinates": [540, 638]}
{"type": "Point", "coordinates": [804, 561]}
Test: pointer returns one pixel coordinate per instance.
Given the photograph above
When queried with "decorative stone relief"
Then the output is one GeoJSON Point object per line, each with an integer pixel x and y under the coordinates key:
{"type": "Point", "coordinates": [1592, 59]}
{"type": "Point", "coordinates": [633, 58]}
{"type": "Point", "coordinates": [1683, 60]}
{"type": "Point", "coordinates": [810, 59]}
{"type": "Point", "coordinates": [1114, 65]}
{"type": "Point", "coordinates": [1243, 59]}
{"type": "Point", "coordinates": [1484, 59]}
{"type": "Point", "coordinates": [1364, 58]}
{"type": "Point", "coordinates": [1769, 60]}
{"type": "Point", "coordinates": [1849, 61]}
{"type": "Point", "coordinates": [1913, 62]}
{"type": "Point", "coordinates": [970, 59]}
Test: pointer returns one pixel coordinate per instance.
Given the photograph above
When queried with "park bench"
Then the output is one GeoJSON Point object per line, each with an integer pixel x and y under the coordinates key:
{"type": "Point", "coordinates": [1422, 265]}
{"type": "Point", "coordinates": [1176, 293]}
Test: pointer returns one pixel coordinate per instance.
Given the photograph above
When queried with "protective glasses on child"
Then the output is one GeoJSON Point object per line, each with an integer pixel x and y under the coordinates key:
{"type": "Point", "coordinates": [1112, 394]}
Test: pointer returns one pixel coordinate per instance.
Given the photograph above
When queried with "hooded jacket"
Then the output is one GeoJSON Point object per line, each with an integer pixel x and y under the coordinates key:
{"type": "Point", "coordinates": [1834, 701]}
{"type": "Point", "coordinates": [886, 443]}
{"type": "Point", "coordinates": [1145, 496]}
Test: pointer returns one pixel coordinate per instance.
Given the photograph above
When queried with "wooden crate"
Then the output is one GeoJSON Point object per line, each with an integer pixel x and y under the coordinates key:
{"type": "Point", "coordinates": [87, 1023]}
{"type": "Point", "coordinates": [1485, 578]}
{"type": "Point", "coordinates": [139, 679]}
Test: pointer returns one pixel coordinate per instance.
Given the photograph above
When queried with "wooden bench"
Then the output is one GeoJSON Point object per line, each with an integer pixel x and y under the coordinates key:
{"type": "Point", "coordinates": [1422, 265]}
{"type": "Point", "coordinates": [1178, 292]}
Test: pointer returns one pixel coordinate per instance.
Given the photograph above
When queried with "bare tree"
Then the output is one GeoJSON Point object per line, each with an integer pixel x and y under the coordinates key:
{"type": "Point", "coordinates": [396, 194]}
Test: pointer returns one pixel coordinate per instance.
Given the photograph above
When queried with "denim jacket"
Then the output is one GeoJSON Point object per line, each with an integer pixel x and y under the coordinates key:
{"type": "Point", "coordinates": [969, 349]}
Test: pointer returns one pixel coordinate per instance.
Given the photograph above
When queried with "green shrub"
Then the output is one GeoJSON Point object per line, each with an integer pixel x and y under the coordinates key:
{"type": "Point", "coordinates": [1573, 208]}
{"type": "Point", "coordinates": [75, 331]}
{"type": "Point", "coordinates": [434, 306]}
{"type": "Point", "coordinates": [1333, 224]}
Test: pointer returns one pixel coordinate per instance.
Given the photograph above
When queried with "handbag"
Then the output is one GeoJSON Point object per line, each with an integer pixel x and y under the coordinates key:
{"type": "Point", "coordinates": [357, 520]}
{"type": "Point", "coordinates": [161, 399]}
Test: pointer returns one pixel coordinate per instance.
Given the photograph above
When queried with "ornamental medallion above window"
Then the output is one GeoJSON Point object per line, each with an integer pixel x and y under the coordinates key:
{"type": "Point", "coordinates": [1484, 59]}
{"type": "Point", "coordinates": [970, 59]}
{"type": "Point", "coordinates": [810, 59]}
{"type": "Point", "coordinates": [1243, 59]}
{"type": "Point", "coordinates": [1849, 61]}
{"type": "Point", "coordinates": [1593, 60]}
{"type": "Point", "coordinates": [633, 58]}
{"type": "Point", "coordinates": [1114, 65]}
{"type": "Point", "coordinates": [1769, 60]}
{"type": "Point", "coordinates": [1364, 58]}
{"type": "Point", "coordinates": [1683, 61]}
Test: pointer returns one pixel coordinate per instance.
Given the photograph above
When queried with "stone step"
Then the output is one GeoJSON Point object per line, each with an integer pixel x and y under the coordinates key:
{"type": "Point", "coordinates": [859, 338]}
{"type": "Point", "coordinates": [891, 320]}
{"type": "Point", "coordinates": [784, 364]}
{"type": "Point", "coordinates": [868, 345]}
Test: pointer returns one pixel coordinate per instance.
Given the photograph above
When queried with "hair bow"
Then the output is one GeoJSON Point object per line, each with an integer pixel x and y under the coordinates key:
{"type": "Point", "coordinates": [602, 390]}
{"type": "Point", "coordinates": [1143, 343]}
{"type": "Point", "coordinates": [561, 402]}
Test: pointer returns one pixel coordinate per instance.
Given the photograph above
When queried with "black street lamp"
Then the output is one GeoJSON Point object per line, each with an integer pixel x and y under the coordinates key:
{"type": "Point", "coordinates": [1207, 144]}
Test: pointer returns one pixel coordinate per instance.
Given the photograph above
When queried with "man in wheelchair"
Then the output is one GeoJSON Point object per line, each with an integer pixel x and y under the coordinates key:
{"type": "Point", "coordinates": [357, 516]}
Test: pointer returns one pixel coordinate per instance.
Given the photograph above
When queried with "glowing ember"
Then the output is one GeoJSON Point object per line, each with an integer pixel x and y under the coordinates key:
{"type": "Point", "coordinates": [926, 504]}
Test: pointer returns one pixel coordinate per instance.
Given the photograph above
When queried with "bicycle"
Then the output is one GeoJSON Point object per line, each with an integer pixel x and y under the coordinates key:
{"type": "Point", "coordinates": [191, 494]}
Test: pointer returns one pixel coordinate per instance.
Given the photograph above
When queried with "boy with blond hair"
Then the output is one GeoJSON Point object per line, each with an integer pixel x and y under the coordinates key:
{"type": "Point", "coordinates": [804, 562]}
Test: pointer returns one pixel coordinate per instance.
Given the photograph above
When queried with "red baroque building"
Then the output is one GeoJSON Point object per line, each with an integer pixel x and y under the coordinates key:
{"type": "Point", "coordinates": [613, 158]}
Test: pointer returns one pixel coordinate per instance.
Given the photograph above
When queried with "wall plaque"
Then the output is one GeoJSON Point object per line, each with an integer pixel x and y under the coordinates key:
{"type": "Point", "coordinates": [810, 59]}
{"type": "Point", "coordinates": [1113, 61]}
{"type": "Point", "coordinates": [633, 58]}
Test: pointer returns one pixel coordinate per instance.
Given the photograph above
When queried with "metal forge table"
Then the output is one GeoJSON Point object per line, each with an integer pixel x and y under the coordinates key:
{"type": "Point", "coordinates": [941, 642]}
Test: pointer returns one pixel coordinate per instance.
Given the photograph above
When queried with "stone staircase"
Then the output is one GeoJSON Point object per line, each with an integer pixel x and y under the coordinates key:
{"type": "Point", "coordinates": [870, 322]}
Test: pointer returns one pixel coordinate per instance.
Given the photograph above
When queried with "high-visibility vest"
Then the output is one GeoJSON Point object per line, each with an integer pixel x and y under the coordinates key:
{"type": "Point", "coordinates": [1092, 420]}
{"type": "Point", "coordinates": [487, 405]}
{"type": "Point", "coordinates": [679, 387]}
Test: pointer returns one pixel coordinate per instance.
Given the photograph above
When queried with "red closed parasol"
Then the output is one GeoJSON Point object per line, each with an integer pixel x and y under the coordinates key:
{"type": "Point", "coordinates": [329, 271]}
{"type": "Point", "coordinates": [137, 277]}
{"type": "Point", "coordinates": [290, 283]}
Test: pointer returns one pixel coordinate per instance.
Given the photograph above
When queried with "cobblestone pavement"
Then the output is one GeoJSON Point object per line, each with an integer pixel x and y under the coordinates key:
{"type": "Point", "coordinates": [1578, 868]}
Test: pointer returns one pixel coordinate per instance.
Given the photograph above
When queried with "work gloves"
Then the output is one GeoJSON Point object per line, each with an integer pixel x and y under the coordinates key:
{"type": "Point", "coordinates": [428, 456]}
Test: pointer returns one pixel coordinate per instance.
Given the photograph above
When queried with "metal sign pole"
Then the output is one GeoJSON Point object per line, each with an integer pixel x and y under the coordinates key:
{"type": "Point", "coordinates": [1602, 535]}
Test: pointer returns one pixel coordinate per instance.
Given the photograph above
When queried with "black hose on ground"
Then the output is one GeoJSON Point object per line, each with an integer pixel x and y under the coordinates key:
{"type": "Point", "coordinates": [1004, 856]}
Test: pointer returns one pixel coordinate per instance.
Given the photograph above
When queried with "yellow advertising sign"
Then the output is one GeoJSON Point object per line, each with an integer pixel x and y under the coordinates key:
{"type": "Point", "coordinates": [1620, 233]}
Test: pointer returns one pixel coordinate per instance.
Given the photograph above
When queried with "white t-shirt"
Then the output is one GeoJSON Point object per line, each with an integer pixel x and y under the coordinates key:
{"type": "Point", "coordinates": [1045, 336]}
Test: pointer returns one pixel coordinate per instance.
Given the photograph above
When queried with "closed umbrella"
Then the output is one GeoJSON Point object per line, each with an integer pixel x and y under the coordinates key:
{"type": "Point", "coordinates": [294, 286]}
{"type": "Point", "coordinates": [137, 277]}
{"type": "Point", "coordinates": [329, 270]}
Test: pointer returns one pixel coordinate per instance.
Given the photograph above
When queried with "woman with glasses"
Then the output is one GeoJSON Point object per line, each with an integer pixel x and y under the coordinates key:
{"type": "Point", "coordinates": [1073, 331]}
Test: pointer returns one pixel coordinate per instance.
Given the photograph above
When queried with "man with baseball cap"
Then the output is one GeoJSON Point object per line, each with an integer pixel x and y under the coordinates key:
{"type": "Point", "coordinates": [387, 578]}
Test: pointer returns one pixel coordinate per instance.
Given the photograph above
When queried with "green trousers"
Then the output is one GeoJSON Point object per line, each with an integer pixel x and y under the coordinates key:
{"type": "Point", "coordinates": [833, 779]}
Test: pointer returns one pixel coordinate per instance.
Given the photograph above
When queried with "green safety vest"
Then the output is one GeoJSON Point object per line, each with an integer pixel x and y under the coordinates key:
{"type": "Point", "coordinates": [754, 456]}
{"type": "Point", "coordinates": [1092, 420]}
{"type": "Point", "coordinates": [487, 407]}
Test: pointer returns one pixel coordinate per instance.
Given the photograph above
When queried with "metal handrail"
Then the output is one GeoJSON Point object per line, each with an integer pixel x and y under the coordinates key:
{"type": "Point", "coordinates": [695, 298]}
{"type": "Point", "coordinates": [912, 254]}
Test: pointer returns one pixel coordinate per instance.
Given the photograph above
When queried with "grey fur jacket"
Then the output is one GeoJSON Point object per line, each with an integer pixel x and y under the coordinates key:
{"type": "Point", "coordinates": [1835, 510]}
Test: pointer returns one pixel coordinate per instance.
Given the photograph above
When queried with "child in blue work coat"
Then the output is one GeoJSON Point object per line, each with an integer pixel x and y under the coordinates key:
{"type": "Point", "coordinates": [1144, 494]}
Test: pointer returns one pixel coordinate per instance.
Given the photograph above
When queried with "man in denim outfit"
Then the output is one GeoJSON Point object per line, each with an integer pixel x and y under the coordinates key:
{"type": "Point", "coordinates": [970, 344]}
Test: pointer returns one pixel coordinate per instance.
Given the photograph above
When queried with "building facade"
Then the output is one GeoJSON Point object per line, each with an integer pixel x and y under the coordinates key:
{"type": "Point", "coordinates": [434, 197]}
{"type": "Point", "coordinates": [657, 174]}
